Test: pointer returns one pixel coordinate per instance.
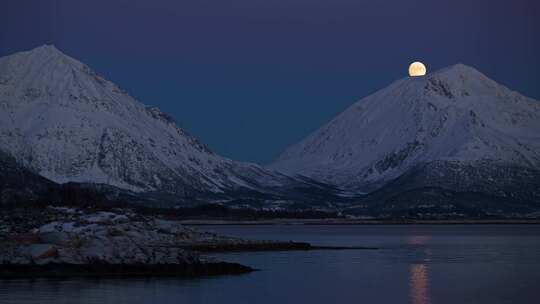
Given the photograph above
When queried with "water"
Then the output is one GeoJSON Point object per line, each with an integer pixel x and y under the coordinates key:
{"type": "Point", "coordinates": [416, 264]}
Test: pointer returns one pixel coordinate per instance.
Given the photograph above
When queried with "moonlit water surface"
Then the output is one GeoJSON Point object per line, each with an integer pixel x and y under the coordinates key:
{"type": "Point", "coordinates": [416, 264]}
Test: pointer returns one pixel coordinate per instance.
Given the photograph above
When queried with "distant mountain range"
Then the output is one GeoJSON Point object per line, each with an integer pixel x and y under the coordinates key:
{"type": "Point", "coordinates": [444, 142]}
{"type": "Point", "coordinates": [453, 142]}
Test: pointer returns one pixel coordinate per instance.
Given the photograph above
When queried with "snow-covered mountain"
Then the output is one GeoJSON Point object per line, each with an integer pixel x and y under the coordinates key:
{"type": "Point", "coordinates": [60, 119]}
{"type": "Point", "coordinates": [457, 122]}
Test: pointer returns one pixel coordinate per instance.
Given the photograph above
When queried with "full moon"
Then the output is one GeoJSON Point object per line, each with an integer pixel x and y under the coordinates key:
{"type": "Point", "coordinates": [417, 69]}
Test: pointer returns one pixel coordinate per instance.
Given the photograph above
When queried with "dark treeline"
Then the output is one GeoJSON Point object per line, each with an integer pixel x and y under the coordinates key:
{"type": "Point", "coordinates": [217, 211]}
{"type": "Point", "coordinates": [90, 198]}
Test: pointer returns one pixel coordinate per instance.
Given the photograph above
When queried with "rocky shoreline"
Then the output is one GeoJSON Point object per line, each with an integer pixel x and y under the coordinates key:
{"type": "Point", "coordinates": [267, 246]}
{"type": "Point", "coordinates": [68, 242]}
{"type": "Point", "coordinates": [187, 270]}
{"type": "Point", "coordinates": [349, 221]}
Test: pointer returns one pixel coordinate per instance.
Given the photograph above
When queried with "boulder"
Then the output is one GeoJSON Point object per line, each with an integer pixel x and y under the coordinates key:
{"type": "Point", "coordinates": [56, 238]}
{"type": "Point", "coordinates": [42, 251]}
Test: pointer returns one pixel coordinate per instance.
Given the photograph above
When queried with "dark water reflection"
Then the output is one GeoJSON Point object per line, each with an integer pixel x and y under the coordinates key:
{"type": "Point", "coordinates": [419, 283]}
{"type": "Point", "coordinates": [419, 273]}
{"type": "Point", "coordinates": [416, 264]}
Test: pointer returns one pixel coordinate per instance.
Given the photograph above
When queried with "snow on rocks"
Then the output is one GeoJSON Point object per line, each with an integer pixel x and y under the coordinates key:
{"type": "Point", "coordinates": [108, 237]}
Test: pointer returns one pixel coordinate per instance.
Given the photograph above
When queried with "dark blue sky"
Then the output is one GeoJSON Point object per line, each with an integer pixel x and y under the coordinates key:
{"type": "Point", "coordinates": [250, 77]}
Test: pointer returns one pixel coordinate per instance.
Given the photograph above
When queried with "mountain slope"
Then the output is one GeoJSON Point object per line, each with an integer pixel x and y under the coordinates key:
{"type": "Point", "coordinates": [19, 184]}
{"type": "Point", "coordinates": [455, 115]}
{"type": "Point", "coordinates": [450, 189]}
{"type": "Point", "coordinates": [67, 123]}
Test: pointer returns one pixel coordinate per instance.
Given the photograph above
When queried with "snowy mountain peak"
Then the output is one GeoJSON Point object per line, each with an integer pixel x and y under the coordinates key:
{"type": "Point", "coordinates": [463, 80]}
{"type": "Point", "coordinates": [42, 55]}
{"type": "Point", "coordinates": [67, 123]}
{"type": "Point", "coordinates": [456, 113]}
{"type": "Point", "coordinates": [46, 49]}
{"type": "Point", "coordinates": [459, 69]}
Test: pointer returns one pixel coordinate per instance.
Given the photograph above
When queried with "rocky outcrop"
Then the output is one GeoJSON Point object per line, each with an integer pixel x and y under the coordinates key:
{"type": "Point", "coordinates": [108, 243]}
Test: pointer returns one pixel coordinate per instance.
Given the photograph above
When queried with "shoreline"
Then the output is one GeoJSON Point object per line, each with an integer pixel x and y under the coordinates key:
{"type": "Point", "coordinates": [266, 246]}
{"type": "Point", "coordinates": [177, 270]}
{"type": "Point", "coordinates": [98, 270]}
{"type": "Point", "coordinates": [65, 242]}
{"type": "Point", "coordinates": [329, 222]}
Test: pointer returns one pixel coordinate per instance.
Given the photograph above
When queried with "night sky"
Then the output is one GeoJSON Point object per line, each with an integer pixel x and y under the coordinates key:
{"type": "Point", "coordinates": [250, 77]}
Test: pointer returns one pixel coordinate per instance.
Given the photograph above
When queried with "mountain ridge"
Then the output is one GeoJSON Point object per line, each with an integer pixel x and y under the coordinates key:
{"type": "Point", "coordinates": [69, 124]}
{"type": "Point", "coordinates": [456, 113]}
{"type": "Point", "coordinates": [453, 138]}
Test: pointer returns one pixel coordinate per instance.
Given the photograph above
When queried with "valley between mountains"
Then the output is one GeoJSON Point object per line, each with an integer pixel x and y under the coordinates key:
{"type": "Point", "coordinates": [451, 144]}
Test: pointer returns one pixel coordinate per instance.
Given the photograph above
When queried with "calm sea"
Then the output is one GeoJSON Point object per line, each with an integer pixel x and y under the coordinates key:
{"type": "Point", "coordinates": [416, 264]}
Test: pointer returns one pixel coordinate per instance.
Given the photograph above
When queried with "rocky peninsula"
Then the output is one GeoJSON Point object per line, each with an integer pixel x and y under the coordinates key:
{"type": "Point", "coordinates": [62, 241]}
